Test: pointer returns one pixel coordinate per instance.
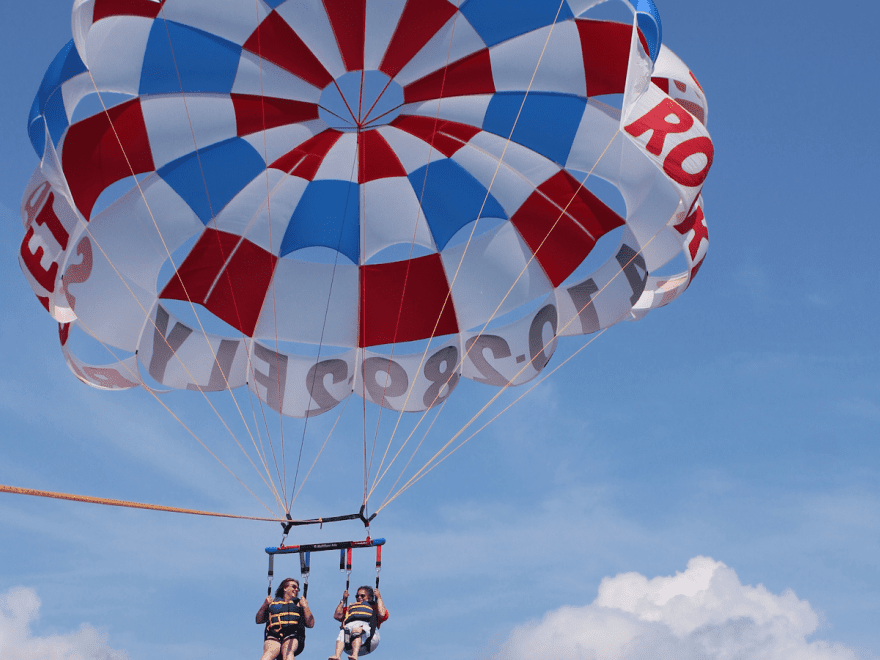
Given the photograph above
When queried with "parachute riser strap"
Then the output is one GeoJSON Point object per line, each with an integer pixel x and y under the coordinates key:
{"type": "Point", "coordinates": [304, 567]}
{"type": "Point", "coordinates": [345, 565]}
{"type": "Point", "coordinates": [362, 516]}
{"type": "Point", "coordinates": [347, 555]}
{"type": "Point", "coordinates": [271, 573]}
{"type": "Point", "coordinates": [286, 527]}
{"type": "Point", "coordinates": [378, 563]}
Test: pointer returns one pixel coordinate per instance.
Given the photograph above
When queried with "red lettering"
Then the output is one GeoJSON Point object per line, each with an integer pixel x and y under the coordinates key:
{"type": "Point", "coordinates": [75, 367]}
{"type": "Point", "coordinates": [110, 379]}
{"type": "Point", "coordinates": [78, 273]}
{"type": "Point", "coordinates": [657, 121]}
{"type": "Point", "coordinates": [35, 202]}
{"type": "Point", "coordinates": [48, 218]}
{"type": "Point", "coordinates": [39, 209]}
{"type": "Point", "coordinates": [45, 278]}
{"type": "Point", "coordinates": [696, 221]}
{"type": "Point", "coordinates": [64, 333]}
{"type": "Point", "coordinates": [673, 165]}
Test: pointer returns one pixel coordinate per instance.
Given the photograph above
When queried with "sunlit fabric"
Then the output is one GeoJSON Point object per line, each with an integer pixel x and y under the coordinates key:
{"type": "Point", "coordinates": [354, 174]}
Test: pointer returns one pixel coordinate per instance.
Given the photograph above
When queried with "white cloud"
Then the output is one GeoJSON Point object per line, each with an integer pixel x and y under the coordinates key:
{"type": "Point", "coordinates": [19, 610]}
{"type": "Point", "coordinates": [704, 613]}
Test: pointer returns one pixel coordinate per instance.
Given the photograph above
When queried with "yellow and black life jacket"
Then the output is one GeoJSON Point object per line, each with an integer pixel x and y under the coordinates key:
{"type": "Point", "coordinates": [283, 614]}
{"type": "Point", "coordinates": [361, 611]}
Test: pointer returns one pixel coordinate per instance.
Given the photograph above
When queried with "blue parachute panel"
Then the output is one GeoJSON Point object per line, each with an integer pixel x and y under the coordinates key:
{"type": "Point", "coordinates": [66, 65]}
{"type": "Point", "coordinates": [452, 198]}
{"type": "Point", "coordinates": [547, 124]}
{"type": "Point", "coordinates": [198, 61]}
{"type": "Point", "coordinates": [498, 20]}
{"type": "Point", "coordinates": [328, 215]}
{"type": "Point", "coordinates": [224, 169]}
{"type": "Point", "coordinates": [649, 23]}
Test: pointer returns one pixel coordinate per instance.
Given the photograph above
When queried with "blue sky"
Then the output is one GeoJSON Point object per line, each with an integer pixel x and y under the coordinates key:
{"type": "Point", "coordinates": [738, 424]}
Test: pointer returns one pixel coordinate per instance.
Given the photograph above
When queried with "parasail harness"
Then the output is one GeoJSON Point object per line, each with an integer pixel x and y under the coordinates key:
{"type": "Point", "coordinates": [345, 555]}
{"type": "Point", "coordinates": [304, 551]}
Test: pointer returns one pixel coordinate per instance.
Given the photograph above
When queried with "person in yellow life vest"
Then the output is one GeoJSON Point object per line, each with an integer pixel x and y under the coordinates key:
{"type": "Point", "coordinates": [286, 618]}
{"type": "Point", "coordinates": [360, 623]}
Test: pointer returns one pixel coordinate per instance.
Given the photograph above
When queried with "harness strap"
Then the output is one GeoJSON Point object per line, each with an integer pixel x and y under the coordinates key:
{"type": "Point", "coordinates": [271, 573]}
{"type": "Point", "coordinates": [304, 561]}
{"type": "Point", "coordinates": [378, 563]}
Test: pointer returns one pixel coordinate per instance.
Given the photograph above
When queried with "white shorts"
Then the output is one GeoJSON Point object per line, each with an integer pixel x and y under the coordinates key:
{"type": "Point", "coordinates": [364, 634]}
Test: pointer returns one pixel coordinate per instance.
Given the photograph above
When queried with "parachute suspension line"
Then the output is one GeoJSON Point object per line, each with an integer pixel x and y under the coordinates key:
{"type": "Point", "coordinates": [136, 376]}
{"type": "Point", "coordinates": [361, 97]}
{"type": "Point", "coordinates": [416, 478]}
{"type": "Point", "coordinates": [146, 313]}
{"type": "Point", "coordinates": [362, 166]}
{"type": "Point", "coordinates": [492, 316]}
{"type": "Point", "coordinates": [87, 499]}
{"type": "Point", "coordinates": [321, 345]}
{"type": "Point", "coordinates": [362, 303]}
{"type": "Point", "coordinates": [416, 450]}
{"type": "Point", "coordinates": [406, 277]}
{"type": "Point", "coordinates": [268, 437]}
{"type": "Point", "coordinates": [483, 329]}
{"type": "Point", "coordinates": [282, 473]}
{"type": "Point", "coordinates": [473, 231]}
{"type": "Point", "coordinates": [421, 474]}
{"type": "Point", "coordinates": [222, 253]}
{"type": "Point", "coordinates": [362, 314]}
{"type": "Point", "coordinates": [531, 258]}
{"type": "Point", "coordinates": [315, 462]}
{"type": "Point", "coordinates": [282, 480]}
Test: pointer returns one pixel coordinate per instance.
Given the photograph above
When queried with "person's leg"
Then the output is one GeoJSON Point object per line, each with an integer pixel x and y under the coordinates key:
{"type": "Point", "coordinates": [289, 647]}
{"type": "Point", "coordinates": [366, 649]}
{"type": "Point", "coordinates": [355, 647]}
{"type": "Point", "coordinates": [271, 648]}
{"type": "Point", "coordinates": [339, 643]}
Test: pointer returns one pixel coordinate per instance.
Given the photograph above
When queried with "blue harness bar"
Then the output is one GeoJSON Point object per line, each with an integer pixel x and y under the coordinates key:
{"type": "Point", "coordinates": [304, 551]}
{"type": "Point", "coordinates": [318, 547]}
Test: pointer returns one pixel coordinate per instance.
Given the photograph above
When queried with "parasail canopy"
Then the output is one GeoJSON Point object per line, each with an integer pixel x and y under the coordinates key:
{"type": "Point", "coordinates": [333, 178]}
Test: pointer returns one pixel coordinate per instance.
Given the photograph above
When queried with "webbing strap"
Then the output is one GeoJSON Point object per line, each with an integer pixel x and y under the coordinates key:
{"type": "Point", "coordinates": [378, 563]}
{"type": "Point", "coordinates": [271, 573]}
{"type": "Point", "coordinates": [304, 561]}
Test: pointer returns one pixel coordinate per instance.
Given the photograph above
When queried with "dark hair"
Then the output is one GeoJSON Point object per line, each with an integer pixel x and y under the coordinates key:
{"type": "Point", "coordinates": [279, 592]}
{"type": "Point", "coordinates": [369, 591]}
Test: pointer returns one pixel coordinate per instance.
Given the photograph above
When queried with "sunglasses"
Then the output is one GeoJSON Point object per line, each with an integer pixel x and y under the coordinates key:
{"type": "Point", "coordinates": [360, 595]}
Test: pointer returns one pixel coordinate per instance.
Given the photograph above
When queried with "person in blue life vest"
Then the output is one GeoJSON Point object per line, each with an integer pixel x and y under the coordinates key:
{"type": "Point", "coordinates": [286, 618]}
{"type": "Point", "coordinates": [360, 623]}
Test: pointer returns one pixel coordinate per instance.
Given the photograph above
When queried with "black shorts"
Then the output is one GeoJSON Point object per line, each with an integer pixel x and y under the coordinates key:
{"type": "Point", "coordinates": [286, 633]}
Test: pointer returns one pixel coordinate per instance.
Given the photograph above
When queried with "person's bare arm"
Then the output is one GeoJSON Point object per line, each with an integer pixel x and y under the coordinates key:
{"type": "Point", "coordinates": [381, 606]}
{"type": "Point", "coordinates": [263, 612]}
{"type": "Point", "coordinates": [308, 618]}
{"type": "Point", "coordinates": [339, 614]}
